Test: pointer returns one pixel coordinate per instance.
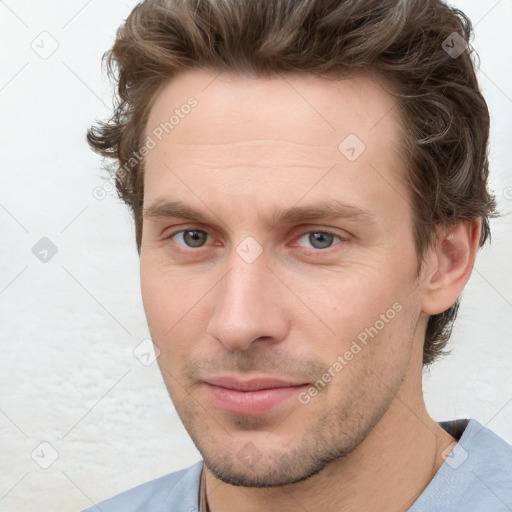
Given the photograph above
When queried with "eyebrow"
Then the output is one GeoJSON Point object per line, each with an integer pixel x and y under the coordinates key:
{"type": "Point", "coordinates": [330, 210]}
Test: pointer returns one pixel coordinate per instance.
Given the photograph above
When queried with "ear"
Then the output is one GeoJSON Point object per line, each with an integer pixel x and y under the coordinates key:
{"type": "Point", "coordinates": [450, 265]}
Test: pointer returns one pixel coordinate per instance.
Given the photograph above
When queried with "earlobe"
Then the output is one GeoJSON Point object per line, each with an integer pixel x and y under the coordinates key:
{"type": "Point", "coordinates": [453, 257]}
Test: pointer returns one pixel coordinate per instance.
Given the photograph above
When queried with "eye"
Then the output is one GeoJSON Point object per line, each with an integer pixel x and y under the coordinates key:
{"type": "Point", "coordinates": [191, 237]}
{"type": "Point", "coordinates": [196, 238]}
{"type": "Point", "coordinates": [320, 239]}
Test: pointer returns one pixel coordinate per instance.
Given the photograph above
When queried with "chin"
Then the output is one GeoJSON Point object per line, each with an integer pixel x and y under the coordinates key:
{"type": "Point", "coordinates": [266, 473]}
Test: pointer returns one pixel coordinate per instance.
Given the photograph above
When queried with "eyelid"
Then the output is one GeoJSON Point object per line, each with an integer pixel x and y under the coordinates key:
{"type": "Point", "coordinates": [305, 231]}
{"type": "Point", "coordinates": [182, 230]}
{"type": "Point", "coordinates": [324, 232]}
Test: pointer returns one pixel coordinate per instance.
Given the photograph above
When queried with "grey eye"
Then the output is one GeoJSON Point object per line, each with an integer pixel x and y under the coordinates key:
{"type": "Point", "coordinates": [193, 237]}
{"type": "Point", "coordinates": [320, 239]}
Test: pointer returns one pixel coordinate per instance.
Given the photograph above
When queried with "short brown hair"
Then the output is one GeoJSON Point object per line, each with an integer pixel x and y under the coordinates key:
{"type": "Point", "coordinates": [406, 42]}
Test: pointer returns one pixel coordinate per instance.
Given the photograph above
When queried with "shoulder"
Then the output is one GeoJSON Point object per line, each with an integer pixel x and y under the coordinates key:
{"type": "Point", "coordinates": [175, 491]}
{"type": "Point", "coordinates": [476, 475]}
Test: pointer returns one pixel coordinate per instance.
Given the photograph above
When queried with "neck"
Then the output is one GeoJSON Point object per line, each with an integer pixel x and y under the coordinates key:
{"type": "Point", "coordinates": [389, 469]}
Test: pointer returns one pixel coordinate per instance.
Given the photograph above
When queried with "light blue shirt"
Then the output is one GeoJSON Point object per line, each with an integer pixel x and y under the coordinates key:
{"type": "Point", "coordinates": [476, 477]}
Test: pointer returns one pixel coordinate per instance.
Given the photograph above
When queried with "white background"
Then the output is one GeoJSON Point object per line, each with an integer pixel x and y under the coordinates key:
{"type": "Point", "coordinates": [69, 326]}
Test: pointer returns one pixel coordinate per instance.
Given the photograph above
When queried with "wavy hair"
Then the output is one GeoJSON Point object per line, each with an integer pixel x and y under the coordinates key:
{"type": "Point", "coordinates": [421, 47]}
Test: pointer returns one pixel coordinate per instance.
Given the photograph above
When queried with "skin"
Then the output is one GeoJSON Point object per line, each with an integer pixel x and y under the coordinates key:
{"type": "Point", "coordinates": [249, 148]}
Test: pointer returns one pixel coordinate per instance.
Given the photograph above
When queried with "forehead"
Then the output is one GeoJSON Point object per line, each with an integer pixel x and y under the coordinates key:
{"type": "Point", "coordinates": [273, 131]}
{"type": "Point", "coordinates": [312, 107]}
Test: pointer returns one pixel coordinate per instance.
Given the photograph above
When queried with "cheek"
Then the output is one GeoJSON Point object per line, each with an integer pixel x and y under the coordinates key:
{"type": "Point", "coordinates": [160, 299]}
{"type": "Point", "coordinates": [355, 296]}
{"type": "Point", "coordinates": [363, 315]}
{"type": "Point", "coordinates": [151, 292]}
{"type": "Point", "coordinates": [168, 317]}
{"type": "Point", "coordinates": [175, 304]}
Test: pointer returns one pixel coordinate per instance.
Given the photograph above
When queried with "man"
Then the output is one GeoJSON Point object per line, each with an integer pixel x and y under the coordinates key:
{"type": "Point", "coordinates": [308, 181]}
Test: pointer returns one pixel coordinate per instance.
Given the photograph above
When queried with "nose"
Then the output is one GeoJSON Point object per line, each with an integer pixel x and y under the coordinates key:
{"type": "Point", "coordinates": [248, 306]}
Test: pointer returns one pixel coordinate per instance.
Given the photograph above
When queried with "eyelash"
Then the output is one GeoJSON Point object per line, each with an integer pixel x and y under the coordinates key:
{"type": "Point", "coordinates": [322, 231]}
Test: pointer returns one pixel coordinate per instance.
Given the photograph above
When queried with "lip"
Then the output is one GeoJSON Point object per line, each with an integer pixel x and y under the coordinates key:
{"type": "Point", "coordinates": [254, 384]}
{"type": "Point", "coordinates": [252, 397]}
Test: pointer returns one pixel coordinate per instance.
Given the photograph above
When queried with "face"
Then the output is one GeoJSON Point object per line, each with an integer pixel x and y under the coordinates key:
{"type": "Point", "coordinates": [278, 268]}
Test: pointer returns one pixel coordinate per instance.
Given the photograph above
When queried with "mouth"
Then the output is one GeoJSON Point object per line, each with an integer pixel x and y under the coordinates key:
{"type": "Point", "coordinates": [252, 397]}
